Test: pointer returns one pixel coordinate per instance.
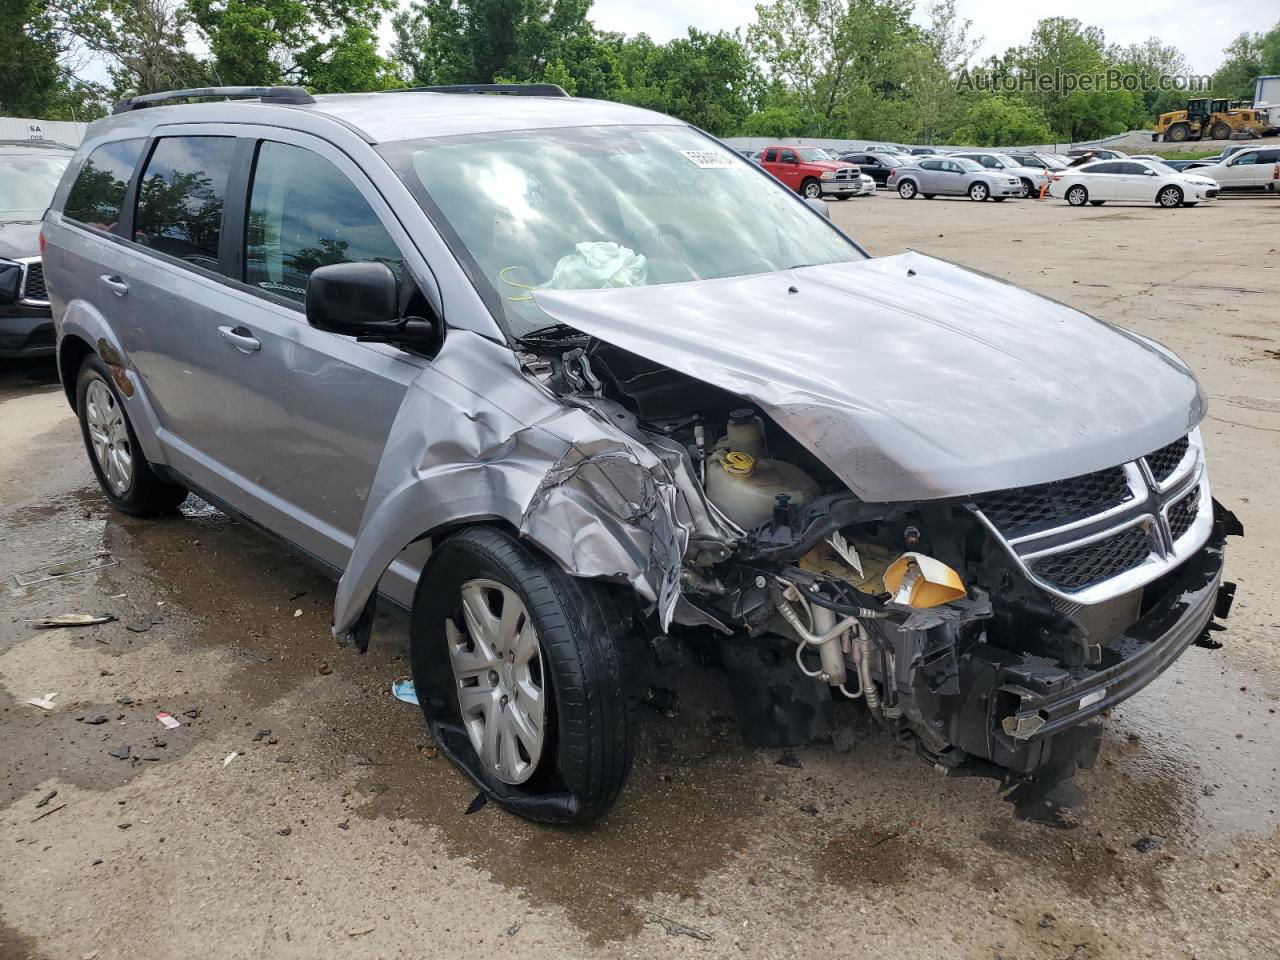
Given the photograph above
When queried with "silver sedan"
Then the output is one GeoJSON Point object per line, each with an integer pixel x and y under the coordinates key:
{"type": "Point", "coordinates": [953, 177]}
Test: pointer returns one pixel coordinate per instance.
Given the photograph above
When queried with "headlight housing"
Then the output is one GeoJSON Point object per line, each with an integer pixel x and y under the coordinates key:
{"type": "Point", "coordinates": [828, 174]}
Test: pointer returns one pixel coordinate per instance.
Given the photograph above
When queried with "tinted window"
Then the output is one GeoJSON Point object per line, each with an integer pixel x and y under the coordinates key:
{"type": "Point", "coordinates": [1268, 156]}
{"type": "Point", "coordinates": [98, 193]}
{"type": "Point", "coordinates": [180, 198]}
{"type": "Point", "coordinates": [1133, 169]}
{"type": "Point", "coordinates": [787, 155]}
{"type": "Point", "coordinates": [771, 156]}
{"type": "Point", "coordinates": [1245, 158]}
{"type": "Point", "coordinates": [932, 165]}
{"type": "Point", "coordinates": [304, 213]}
{"type": "Point", "coordinates": [1104, 168]}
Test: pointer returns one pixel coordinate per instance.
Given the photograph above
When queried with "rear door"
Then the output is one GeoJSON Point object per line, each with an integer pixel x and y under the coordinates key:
{"type": "Point", "coordinates": [789, 168]}
{"type": "Point", "coordinates": [307, 411]}
{"type": "Point", "coordinates": [167, 292]}
{"type": "Point", "coordinates": [1131, 182]}
{"type": "Point", "coordinates": [1100, 179]}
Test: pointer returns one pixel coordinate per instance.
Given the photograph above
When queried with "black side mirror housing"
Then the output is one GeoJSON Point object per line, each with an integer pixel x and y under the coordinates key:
{"type": "Point", "coordinates": [362, 300]}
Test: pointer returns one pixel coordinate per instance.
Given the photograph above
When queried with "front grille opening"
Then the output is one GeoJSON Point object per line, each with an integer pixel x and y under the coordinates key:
{"type": "Point", "coordinates": [1183, 514]}
{"type": "Point", "coordinates": [1027, 510]}
{"type": "Point", "coordinates": [1165, 460]}
{"type": "Point", "coordinates": [33, 288]}
{"type": "Point", "coordinates": [1095, 562]}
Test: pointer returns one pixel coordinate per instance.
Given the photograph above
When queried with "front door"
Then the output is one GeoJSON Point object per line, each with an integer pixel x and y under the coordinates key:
{"type": "Point", "coordinates": [308, 411]}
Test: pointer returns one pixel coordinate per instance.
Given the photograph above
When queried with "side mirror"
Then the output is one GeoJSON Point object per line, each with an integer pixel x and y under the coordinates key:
{"type": "Point", "coordinates": [1150, 173]}
{"type": "Point", "coordinates": [362, 300]}
{"type": "Point", "coordinates": [790, 160]}
{"type": "Point", "coordinates": [818, 205]}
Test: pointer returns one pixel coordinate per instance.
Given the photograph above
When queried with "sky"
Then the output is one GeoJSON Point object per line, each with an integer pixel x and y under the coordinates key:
{"type": "Point", "coordinates": [1200, 28]}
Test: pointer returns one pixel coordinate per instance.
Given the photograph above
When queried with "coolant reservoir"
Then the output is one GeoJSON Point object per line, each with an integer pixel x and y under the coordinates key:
{"type": "Point", "coordinates": [746, 433]}
{"type": "Point", "coordinates": [745, 488]}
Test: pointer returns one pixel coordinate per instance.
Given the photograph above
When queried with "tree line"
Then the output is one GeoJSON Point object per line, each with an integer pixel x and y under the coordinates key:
{"type": "Point", "coordinates": [817, 68]}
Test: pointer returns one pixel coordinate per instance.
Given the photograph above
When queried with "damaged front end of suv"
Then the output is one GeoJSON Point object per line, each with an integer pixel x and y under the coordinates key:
{"type": "Point", "coordinates": [984, 541]}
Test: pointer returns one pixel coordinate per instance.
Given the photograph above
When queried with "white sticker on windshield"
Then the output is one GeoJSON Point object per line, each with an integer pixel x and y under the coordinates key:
{"type": "Point", "coordinates": [709, 159]}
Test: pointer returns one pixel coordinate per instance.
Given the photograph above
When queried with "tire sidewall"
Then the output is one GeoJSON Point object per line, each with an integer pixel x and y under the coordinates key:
{"type": "Point", "coordinates": [1077, 196]}
{"type": "Point", "coordinates": [811, 190]}
{"type": "Point", "coordinates": [568, 785]}
{"type": "Point", "coordinates": [1166, 190]}
{"type": "Point", "coordinates": [979, 191]}
{"type": "Point", "coordinates": [907, 190]}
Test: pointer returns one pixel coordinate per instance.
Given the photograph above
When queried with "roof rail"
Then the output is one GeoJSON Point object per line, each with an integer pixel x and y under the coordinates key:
{"type": "Point", "coordinates": [295, 95]}
{"type": "Point", "coordinates": [509, 89]}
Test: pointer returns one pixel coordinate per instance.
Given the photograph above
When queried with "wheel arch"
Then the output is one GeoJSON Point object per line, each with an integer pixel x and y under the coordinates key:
{"type": "Point", "coordinates": [84, 331]}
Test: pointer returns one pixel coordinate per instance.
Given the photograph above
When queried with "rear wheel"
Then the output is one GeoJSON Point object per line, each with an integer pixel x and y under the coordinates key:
{"type": "Point", "coordinates": [518, 668]}
{"type": "Point", "coordinates": [1169, 197]}
{"type": "Point", "coordinates": [114, 452]}
{"type": "Point", "coordinates": [979, 191]}
{"type": "Point", "coordinates": [1077, 196]}
{"type": "Point", "coordinates": [907, 189]}
{"type": "Point", "coordinates": [811, 189]}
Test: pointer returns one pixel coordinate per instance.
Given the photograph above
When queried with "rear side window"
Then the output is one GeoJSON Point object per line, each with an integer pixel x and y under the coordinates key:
{"type": "Point", "coordinates": [771, 156]}
{"type": "Point", "coordinates": [304, 213]}
{"type": "Point", "coordinates": [1103, 168]}
{"type": "Point", "coordinates": [180, 198]}
{"type": "Point", "coordinates": [97, 195]}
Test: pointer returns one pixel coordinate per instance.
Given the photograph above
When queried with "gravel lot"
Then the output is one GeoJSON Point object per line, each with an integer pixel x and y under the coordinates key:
{"type": "Point", "coordinates": [336, 831]}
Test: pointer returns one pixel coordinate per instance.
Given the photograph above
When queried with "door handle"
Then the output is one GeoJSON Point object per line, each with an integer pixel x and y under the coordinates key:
{"type": "Point", "coordinates": [113, 283]}
{"type": "Point", "coordinates": [240, 338]}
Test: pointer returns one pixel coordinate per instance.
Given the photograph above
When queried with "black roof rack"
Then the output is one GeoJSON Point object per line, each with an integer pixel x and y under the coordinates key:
{"type": "Point", "coordinates": [294, 95]}
{"type": "Point", "coordinates": [508, 89]}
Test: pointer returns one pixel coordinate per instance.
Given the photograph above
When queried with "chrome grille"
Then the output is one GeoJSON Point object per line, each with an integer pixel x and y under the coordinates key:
{"type": "Point", "coordinates": [848, 173]}
{"type": "Point", "coordinates": [1097, 561]}
{"type": "Point", "coordinates": [1092, 538]}
{"type": "Point", "coordinates": [1166, 460]}
{"type": "Point", "coordinates": [1026, 509]}
{"type": "Point", "coordinates": [1183, 513]}
{"type": "Point", "coordinates": [33, 288]}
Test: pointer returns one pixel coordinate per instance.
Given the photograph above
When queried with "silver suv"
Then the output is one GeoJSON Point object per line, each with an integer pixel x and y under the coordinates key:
{"type": "Point", "coordinates": [597, 399]}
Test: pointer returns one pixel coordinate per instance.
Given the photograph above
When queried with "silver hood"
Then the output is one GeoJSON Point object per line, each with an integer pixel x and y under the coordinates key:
{"type": "Point", "coordinates": [911, 378]}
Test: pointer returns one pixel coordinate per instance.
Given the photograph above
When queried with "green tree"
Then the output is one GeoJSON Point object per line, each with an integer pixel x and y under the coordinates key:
{"type": "Point", "coordinates": [1249, 56]}
{"type": "Point", "coordinates": [327, 44]}
{"type": "Point", "coordinates": [949, 44]}
{"type": "Point", "coordinates": [703, 78]}
{"type": "Point", "coordinates": [1154, 63]}
{"type": "Point", "coordinates": [143, 42]}
{"type": "Point", "coordinates": [846, 63]}
{"type": "Point", "coordinates": [483, 41]}
{"type": "Point", "coordinates": [996, 120]}
{"type": "Point", "coordinates": [39, 58]}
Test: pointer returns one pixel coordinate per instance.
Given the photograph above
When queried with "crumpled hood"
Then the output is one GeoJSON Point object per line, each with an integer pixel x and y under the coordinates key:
{"type": "Point", "coordinates": [909, 377]}
{"type": "Point", "coordinates": [19, 238]}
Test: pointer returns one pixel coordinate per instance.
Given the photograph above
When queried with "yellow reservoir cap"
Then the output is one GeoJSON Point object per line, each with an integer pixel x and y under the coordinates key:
{"type": "Point", "coordinates": [738, 463]}
{"type": "Point", "coordinates": [921, 581]}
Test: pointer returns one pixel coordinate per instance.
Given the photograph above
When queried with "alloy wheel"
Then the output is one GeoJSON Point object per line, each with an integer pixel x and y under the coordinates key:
{"type": "Point", "coordinates": [1170, 197]}
{"type": "Point", "coordinates": [497, 666]}
{"type": "Point", "coordinates": [978, 191]}
{"type": "Point", "coordinates": [109, 437]}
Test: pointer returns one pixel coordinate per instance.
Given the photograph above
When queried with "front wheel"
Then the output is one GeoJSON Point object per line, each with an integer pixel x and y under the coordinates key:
{"type": "Point", "coordinates": [518, 668]}
{"type": "Point", "coordinates": [811, 190]}
{"type": "Point", "coordinates": [979, 191]}
{"type": "Point", "coordinates": [1169, 197]}
{"type": "Point", "coordinates": [1221, 131]}
{"type": "Point", "coordinates": [1028, 188]}
{"type": "Point", "coordinates": [907, 189]}
{"type": "Point", "coordinates": [1077, 196]}
{"type": "Point", "coordinates": [114, 452]}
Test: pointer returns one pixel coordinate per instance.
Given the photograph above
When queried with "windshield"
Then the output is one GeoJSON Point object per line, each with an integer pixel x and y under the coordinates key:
{"type": "Point", "coordinates": [593, 207]}
{"type": "Point", "coordinates": [27, 184]}
{"type": "Point", "coordinates": [967, 165]}
{"type": "Point", "coordinates": [1159, 165]}
{"type": "Point", "coordinates": [812, 154]}
{"type": "Point", "coordinates": [888, 159]}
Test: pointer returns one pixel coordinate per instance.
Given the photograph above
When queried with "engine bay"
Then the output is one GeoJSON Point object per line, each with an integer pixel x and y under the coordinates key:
{"type": "Point", "coordinates": [813, 599]}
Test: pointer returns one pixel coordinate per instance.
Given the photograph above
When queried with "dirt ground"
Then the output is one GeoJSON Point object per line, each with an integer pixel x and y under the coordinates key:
{"type": "Point", "coordinates": [1144, 144]}
{"type": "Point", "coordinates": [336, 832]}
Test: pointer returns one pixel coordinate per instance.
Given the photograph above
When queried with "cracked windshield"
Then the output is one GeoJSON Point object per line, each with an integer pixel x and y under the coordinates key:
{"type": "Point", "coordinates": [613, 207]}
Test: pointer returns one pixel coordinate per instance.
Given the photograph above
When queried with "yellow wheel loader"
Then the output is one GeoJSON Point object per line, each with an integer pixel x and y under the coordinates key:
{"type": "Point", "coordinates": [1211, 119]}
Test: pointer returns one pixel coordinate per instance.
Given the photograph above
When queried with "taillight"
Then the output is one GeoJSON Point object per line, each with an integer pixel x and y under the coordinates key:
{"type": "Point", "coordinates": [1057, 177]}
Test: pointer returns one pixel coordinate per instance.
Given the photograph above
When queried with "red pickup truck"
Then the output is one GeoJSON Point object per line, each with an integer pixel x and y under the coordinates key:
{"type": "Point", "coordinates": [811, 172]}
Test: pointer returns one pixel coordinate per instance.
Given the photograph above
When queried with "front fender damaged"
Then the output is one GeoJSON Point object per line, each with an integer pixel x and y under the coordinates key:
{"type": "Point", "coordinates": [595, 500]}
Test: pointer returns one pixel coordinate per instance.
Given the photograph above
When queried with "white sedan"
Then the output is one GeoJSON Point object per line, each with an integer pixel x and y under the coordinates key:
{"type": "Point", "coordinates": [1134, 181]}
